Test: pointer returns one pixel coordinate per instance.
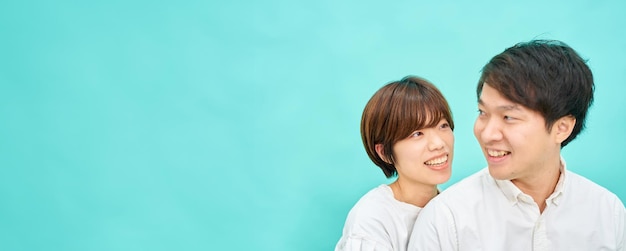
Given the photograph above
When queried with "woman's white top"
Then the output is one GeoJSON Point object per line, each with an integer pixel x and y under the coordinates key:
{"type": "Point", "coordinates": [378, 222]}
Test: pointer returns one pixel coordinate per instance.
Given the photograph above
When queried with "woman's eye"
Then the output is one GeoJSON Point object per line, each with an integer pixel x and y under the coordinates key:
{"type": "Point", "coordinates": [445, 125]}
{"type": "Point", "coordinates": [508, 118]}
{"type": "Point", "coordinates": [416, 134]}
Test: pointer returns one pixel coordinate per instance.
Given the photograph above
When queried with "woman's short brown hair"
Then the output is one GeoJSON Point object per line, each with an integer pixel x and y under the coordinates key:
{"type": "Point", "coordinates": [395, 111]}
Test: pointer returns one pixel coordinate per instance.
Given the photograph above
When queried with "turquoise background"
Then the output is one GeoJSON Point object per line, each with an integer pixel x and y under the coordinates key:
{"type": "Point", "coordinates": [234, 125]}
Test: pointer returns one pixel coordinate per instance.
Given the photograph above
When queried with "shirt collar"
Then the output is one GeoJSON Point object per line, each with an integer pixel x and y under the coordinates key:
{"type": "Point", "coordinates": [510, 191]}
{"type": "Point", "coordinates": [556, 196]}
{"type": "Point", "coordinates": [514, 194]}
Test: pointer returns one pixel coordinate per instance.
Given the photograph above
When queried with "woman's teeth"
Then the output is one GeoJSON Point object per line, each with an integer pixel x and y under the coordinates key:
{"type": "Point", "coordinates": [437, 161]}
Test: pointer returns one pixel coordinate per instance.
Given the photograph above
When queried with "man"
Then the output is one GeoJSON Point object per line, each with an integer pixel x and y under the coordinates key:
{"type": "Point", "coordinates": [533, 99]}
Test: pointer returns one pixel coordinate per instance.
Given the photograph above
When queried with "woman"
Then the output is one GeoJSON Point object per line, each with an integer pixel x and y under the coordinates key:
{"type": "Point", "coordinates": [406, 129]}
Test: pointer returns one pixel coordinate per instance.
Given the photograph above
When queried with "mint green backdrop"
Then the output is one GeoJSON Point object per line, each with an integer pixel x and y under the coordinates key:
{"type": "Point", "coordinates": [234, 125]}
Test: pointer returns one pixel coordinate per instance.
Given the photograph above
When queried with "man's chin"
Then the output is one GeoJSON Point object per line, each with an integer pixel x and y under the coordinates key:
{"type": "Point", "coordinates": [498, 173]}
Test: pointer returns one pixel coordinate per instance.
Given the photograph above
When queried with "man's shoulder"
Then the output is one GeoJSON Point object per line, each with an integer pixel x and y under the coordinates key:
{"type": "Point", "coordinates": [474, 181]}
{"type": "Point", "coordinates": [581, 186]}
{"type": "Point", "coordinates": [469, 189]}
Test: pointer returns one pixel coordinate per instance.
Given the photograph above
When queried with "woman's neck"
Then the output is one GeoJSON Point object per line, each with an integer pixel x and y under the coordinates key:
{"type": "Point", "coordinates": [412, 193]}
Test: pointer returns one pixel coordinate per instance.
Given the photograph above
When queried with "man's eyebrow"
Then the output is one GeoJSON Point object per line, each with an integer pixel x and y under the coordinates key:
{"type": "Point", "coordinates": [502, 107]}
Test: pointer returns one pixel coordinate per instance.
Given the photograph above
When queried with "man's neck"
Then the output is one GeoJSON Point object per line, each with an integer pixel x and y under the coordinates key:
{"type": "Point", "coordinates": [541, 185]}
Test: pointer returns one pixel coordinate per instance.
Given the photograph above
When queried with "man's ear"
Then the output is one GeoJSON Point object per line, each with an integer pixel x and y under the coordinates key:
{"type": "Point", "coordinates": [564, 127]}
{"type": "Point", "coordinates": [381, 152]}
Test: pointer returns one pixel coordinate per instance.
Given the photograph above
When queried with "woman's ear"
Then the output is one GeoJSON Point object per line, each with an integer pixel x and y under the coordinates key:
{"type": "Point", "coordinates": [380, 150]}
{"type": "Point", "coordinates": [564, 127]}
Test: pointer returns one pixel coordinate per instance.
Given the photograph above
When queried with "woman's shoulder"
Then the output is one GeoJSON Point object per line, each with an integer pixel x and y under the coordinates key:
{"type": "Point", "coordinates": [376, 198]}
{"type": "Point", "coordinates": [373, 219]}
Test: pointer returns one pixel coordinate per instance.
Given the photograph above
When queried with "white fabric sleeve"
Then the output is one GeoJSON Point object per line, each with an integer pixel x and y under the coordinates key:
{"type": "Point", "coordinates": [621, 226]}
{"type": "Point", "coordinates": [355, 243]}
{"type": "Point", "coordinates": [434, 229]}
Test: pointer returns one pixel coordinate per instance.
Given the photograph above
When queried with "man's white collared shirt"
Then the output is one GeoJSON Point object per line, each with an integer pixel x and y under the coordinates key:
{"type": "Point", "coordinates": [481, 213]}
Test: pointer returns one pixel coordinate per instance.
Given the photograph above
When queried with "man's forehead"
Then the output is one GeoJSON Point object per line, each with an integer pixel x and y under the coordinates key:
{"type": "Point", "coordinates": [506, 106]}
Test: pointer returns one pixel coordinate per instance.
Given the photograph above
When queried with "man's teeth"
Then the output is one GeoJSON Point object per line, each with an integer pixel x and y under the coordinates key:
{"type": "Point", "coordinates": [494, 153]}
{"type": "Point", "coordinates": [437, 161]}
